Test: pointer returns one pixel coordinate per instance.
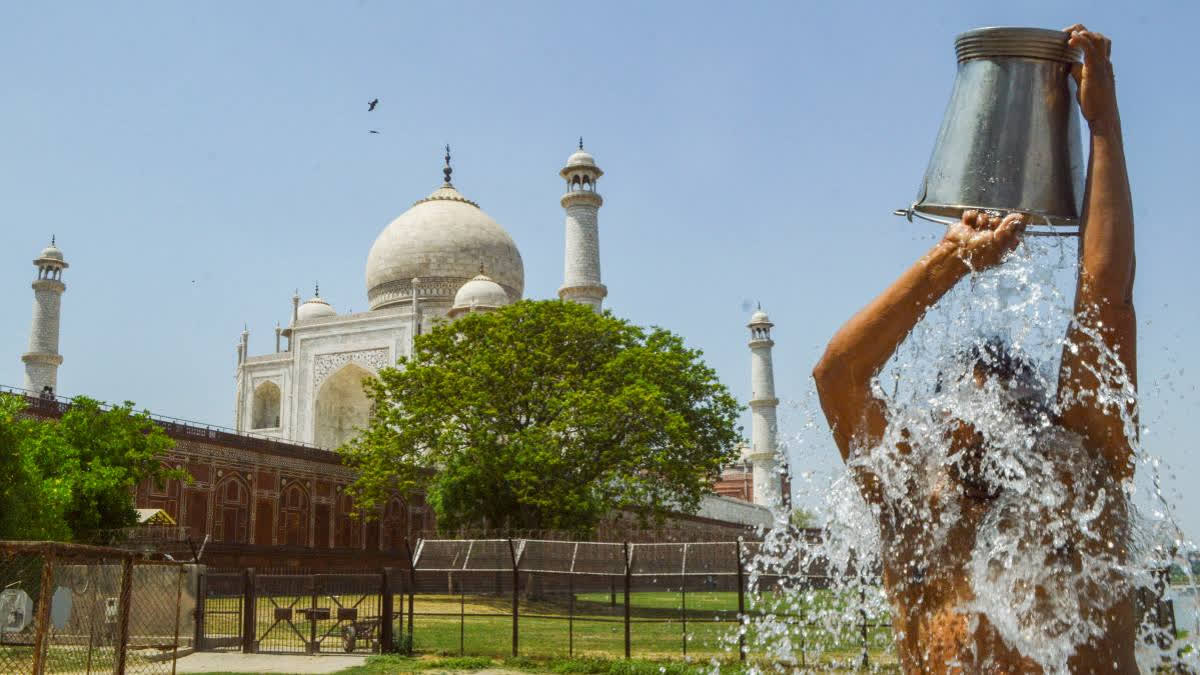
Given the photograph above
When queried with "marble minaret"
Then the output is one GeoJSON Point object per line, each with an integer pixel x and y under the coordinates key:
{"type": "Point", "coordinates": [763, 453]}
{"type": "Point", "coordinates": [581, 268]}
{"type": "Point", "coordinates": [42, 359]}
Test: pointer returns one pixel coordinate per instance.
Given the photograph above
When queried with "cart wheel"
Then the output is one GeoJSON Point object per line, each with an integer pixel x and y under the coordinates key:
{"type": "Point", "coordinates": [348, 639]}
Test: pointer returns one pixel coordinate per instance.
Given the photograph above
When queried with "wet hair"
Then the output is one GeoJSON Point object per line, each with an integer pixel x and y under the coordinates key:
{"type": "Point", "coordinates": [993, 357]}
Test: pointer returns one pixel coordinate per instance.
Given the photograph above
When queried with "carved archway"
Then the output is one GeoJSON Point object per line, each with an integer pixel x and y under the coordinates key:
{"type": "Point", "coordinates": [342, 408]}
{"type": "Point", "coordinates": [293, 515]}
{"type": "Point", "coordinates": [231, 510]}
{"type": "Point", "coordinates": [265, 409]}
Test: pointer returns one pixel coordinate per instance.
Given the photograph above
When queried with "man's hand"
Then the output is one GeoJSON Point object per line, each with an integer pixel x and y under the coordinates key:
{"type": "Point", "coordinates": [982, 240]}
{"type": "Point", "coordinates": [1097, 86]}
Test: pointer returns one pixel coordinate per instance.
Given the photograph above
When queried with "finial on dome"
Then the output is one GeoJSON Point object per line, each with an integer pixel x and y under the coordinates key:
{"type": "Point", "coordinates": [447, 171]}
{"type": "Point", "coordinates": [581, 142]}
{"type": "Point", "coordinates": [760, 306]}
{"type": "Point", "coordinates": [481, 267]}
{"type": "Point", "coordinates": [317, 288]}
{"type": "Point", "coordinates": [52, 240]}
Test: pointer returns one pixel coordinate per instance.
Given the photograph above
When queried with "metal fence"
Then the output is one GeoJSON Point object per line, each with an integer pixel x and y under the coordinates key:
{"type": "Point", "coordinates": [501, 597]}
{"type": "Point", "coordinates": [86, 609]}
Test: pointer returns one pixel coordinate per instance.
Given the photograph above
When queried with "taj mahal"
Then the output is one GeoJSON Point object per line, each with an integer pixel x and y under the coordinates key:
{"type": "Point", "coordinates": [273, 479]}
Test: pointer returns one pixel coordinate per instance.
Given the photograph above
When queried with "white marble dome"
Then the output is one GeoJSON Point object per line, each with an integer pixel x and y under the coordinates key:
{"type": "Point", "coordinates": [580, 158]}
{"type": "Point", "coordinates": [441, 241]}
{"type": "Point", "coordinates": [51, 252]}
{"type": "Point", "coordinates": [760, 317]}
{"type": "Point", "coordinates": [481, 292]}
{"type": "Point", "coordinates": [315, 308]}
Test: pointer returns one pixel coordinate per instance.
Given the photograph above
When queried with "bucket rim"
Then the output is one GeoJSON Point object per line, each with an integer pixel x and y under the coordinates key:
{"type": "Point", "coordinates": [1015, 42]}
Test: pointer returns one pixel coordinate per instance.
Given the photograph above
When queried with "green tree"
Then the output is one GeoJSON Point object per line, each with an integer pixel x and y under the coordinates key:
{"type": "Point", "coordinates": [73, 478]}
{"type": "Point", "coordinates": [545, 415]}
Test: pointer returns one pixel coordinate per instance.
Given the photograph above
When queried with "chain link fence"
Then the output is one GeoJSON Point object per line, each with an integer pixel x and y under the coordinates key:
{"type": "Point", "coordinates": [68, 608]}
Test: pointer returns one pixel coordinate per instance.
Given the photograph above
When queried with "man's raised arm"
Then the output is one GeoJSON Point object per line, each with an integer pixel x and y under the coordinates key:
{"type": "Point", "coordinates": [1104, 294]}
{"type": "Point", "coordinates": [864, 344]}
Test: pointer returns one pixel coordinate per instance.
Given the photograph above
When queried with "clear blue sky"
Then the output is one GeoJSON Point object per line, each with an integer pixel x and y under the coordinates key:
{"type": "Point", "coordinates": [198, 161]}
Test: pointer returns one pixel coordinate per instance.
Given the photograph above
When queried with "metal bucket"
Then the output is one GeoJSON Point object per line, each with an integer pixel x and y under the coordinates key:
{"type": "Point", "coordinates": [1010, 138]}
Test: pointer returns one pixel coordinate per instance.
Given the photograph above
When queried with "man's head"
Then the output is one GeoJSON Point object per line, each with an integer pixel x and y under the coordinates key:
{"type": "Point", "coordinates": [991, 362]}
{"type": "Point", "coordinates": [993, 359]}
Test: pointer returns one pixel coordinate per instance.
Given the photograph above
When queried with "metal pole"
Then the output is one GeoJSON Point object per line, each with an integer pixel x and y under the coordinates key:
{"type": "Point", "coordinates": [683, 608]}
{"type": "Point", "coordinates": [313, 646]}
{"type": "Point", "coordinates": [571, 614]}
{"type": "Point", "coordinates": [123, 609]}
{"type": "Point", "coordinates": [43, 616]}
{"type": "Point", "coordinates": [741, 577]}
{"type": "Point", "coordinates": [627, 580]}
{"type": "Point", "coordinates": [386, 611]}
{"type": "Point", "coordinates": [178, 607]}
{"type": "Point", "coordinates": [516, 583]}
{"type": "Point", "coordinates": [249, 612]}
{"type": "Point", "coordinates": [412, 585]}
{"type": "Point", "coordinates": [201, 602]}
{"type": "Point", "coordinates": [862, 610]}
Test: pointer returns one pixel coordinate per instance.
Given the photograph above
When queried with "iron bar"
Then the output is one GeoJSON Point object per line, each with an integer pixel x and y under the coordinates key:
{"type": "Point", "coordinates": [123, 610]}
{"type": "Point", "coordinates": [628, 578]}
{"type": "Point", "coordinates": [741, 579]}
{"type": "Point", "coordinates": [42, 618]}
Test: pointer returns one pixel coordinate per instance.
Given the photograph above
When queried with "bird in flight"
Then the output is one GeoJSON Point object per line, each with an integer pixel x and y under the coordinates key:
{"type": "Point", "coordinates": [372, 131]}
{"type": "Point", "coordinates": [371, 104]}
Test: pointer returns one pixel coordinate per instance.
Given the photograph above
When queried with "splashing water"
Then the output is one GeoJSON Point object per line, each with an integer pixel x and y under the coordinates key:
{"type": "Point", "coordinates": [1021, 551]}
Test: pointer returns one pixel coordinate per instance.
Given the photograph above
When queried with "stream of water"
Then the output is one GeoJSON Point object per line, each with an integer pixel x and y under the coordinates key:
{"type": "Point", "coordinates": [1033, 526]}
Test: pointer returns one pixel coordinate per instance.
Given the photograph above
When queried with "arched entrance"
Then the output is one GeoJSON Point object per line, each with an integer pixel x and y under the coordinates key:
{"type": "Point", "coordinates": [265, 412]}
{"type": "Point", "coordinates": [342, 407]}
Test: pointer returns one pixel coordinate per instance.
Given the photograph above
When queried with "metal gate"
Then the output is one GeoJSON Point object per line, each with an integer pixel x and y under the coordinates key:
{"type": "Point", "coordinates": [219, 610]}
{"type": "Point", "coordinates": [311, 613]}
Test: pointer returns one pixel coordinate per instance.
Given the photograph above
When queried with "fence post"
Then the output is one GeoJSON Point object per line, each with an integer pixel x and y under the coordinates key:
{"type": "Point", "coordinates": [515, 596]}
{"type": "Point", "coordinates": [862, 610]}
{"type": "Point", "coordinates": [313, 645]}
{"type": "Point", "coordinates": [683, 607]}
{"type": "Point", "coordinates": [201, 602]}
{"type": "Point", "coordinates": [571, 613]}
{"type": "Point", "coordinates": [249, 611]}
{"type": "Point", "coordinates": [412, 585]}
{"type": "Point", "coordinates": [43, 614]}
{"type": "Point", "coordinates": [178, 607]}
{"type": "Point", "coordinates": [741, 578]}
{"type": "Point", "coordinates": [123, 609]}
{"type": "Point", "coordinates": [627, 580]}
{"type": "Point", "coordinates": [385, 610]}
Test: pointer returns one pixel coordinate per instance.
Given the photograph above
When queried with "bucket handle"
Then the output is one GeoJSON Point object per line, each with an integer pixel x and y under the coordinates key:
{"type": "Point", "coordinates": [911, 212]}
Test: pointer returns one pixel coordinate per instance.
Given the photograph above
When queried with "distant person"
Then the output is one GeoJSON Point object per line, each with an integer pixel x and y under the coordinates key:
{"type": "Point", "coordinates": [937, 626]}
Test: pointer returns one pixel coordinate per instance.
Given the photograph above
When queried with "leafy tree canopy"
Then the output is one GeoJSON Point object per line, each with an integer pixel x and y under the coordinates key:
{"type": "Point", "coordinates": [73, 478]}
{"type": "Point", "coordinates": [545, 415]}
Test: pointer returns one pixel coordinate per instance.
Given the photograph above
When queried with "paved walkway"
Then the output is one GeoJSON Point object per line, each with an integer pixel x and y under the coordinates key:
{"type": "Point", "coordinates": [218, 662]}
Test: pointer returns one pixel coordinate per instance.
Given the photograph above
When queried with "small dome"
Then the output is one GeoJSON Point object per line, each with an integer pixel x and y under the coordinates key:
{"type": "Point", "coordinates": [481, 292]}
{"type": "Point", "coordinates": [315, 308]}
{"type": "Point", "coordinates": [52, 252]}
{"type": "Point", "coordinates": [581, 157]}
{"type": "Point", "coordinates": [760, 317]}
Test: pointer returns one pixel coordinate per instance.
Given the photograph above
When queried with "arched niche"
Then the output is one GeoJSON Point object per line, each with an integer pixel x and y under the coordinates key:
{"type": "Point", "coordinates": [265, 410]}
{"type": "Point", "coordinates": [231, 498]}
{"type": "Point", "coordinates": [293, 512]}
{"type": "Point", "coordinates": [342, 407]}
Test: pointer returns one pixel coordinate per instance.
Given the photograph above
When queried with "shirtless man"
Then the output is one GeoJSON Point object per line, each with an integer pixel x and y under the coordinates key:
{"type": "Point", "coordinates": [937, 625]}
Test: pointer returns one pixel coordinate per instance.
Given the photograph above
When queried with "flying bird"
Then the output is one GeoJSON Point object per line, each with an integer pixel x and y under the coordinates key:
{"type": "Point", "coordinates": [371, 104]}
{"type": "Point", "coordinates": [372, 131]}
